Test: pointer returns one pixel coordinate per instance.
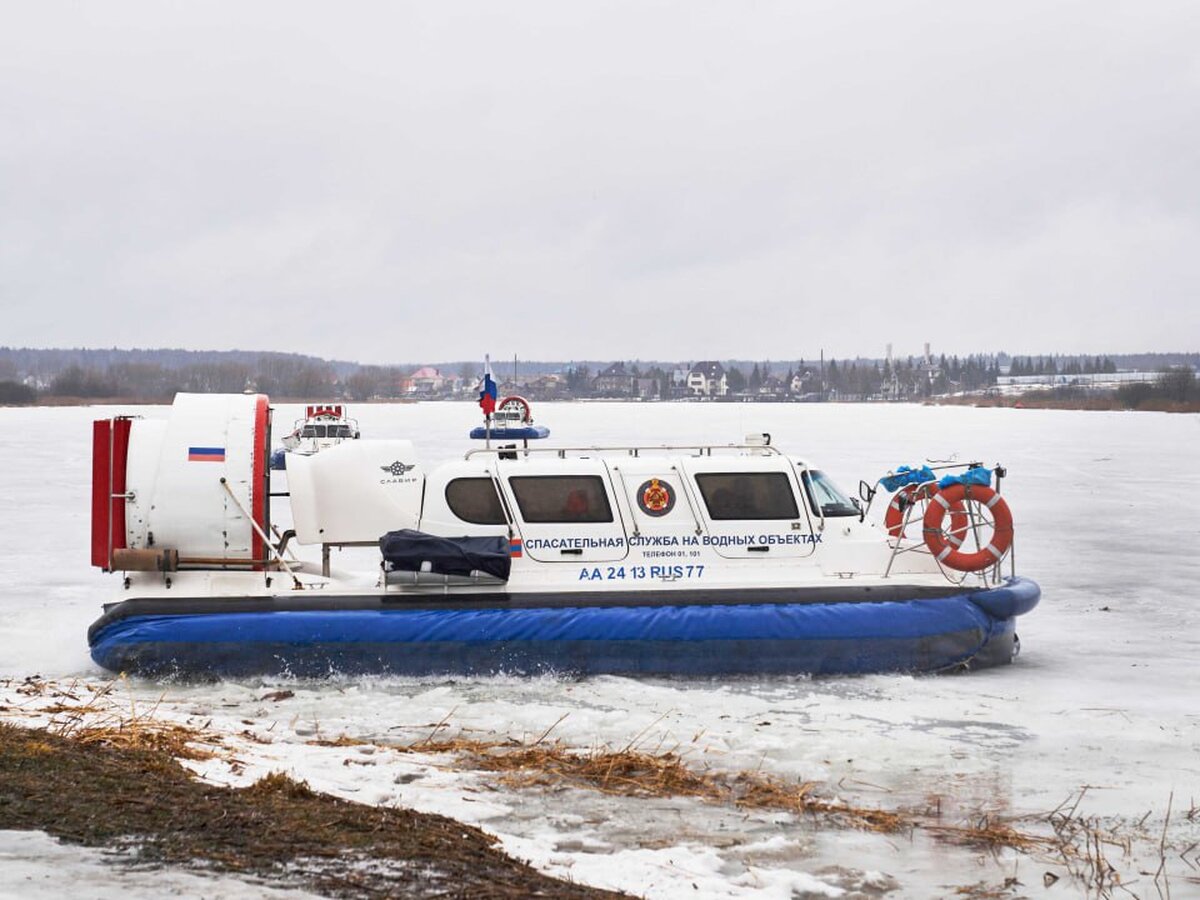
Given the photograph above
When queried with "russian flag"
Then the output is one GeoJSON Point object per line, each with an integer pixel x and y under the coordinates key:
{"type": "Point", "coordinates": [487, 389]}
{"type": "Point", "coordinates": [206, 454]}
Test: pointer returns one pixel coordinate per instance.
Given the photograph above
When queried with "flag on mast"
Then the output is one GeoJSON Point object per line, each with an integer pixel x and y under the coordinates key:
{"type": "Point", "coordinates": [487, 388]}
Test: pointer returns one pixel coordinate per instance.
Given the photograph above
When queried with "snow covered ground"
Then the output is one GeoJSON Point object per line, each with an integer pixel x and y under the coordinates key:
{"type": "Point", "coordinates": [1104, 695]}
{"type": "Point", "coordinates": [33, 866]}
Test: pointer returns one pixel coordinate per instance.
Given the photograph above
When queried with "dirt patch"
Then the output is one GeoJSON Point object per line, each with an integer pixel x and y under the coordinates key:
{"type": "Point", "coordinates": [112, 793]}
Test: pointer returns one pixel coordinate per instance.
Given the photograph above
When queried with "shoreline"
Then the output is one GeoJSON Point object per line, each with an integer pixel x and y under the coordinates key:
{"type": "Point", "coordinates": [1092, 404]}
{"type": "Point", "coordinates": [1032, 400]}
{"type": "Point", "coordinates": [126, 789]}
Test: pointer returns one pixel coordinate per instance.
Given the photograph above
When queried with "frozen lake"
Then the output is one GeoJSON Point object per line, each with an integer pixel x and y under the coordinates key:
{"type": "Point", "coordinates": [1105, 695]}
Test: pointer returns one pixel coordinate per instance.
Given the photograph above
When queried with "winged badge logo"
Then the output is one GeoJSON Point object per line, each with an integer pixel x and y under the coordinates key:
{"type": "Point", "coordinates": [397, 468]}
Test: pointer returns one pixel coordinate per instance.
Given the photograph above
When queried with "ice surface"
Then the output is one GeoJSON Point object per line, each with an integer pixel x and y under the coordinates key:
{"type": "Point", "coordinates": [1104, 694]}
{"type": "Point", "coordinates": [34, 866]}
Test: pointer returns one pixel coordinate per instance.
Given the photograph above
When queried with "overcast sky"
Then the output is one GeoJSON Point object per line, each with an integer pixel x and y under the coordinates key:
{"type": "Point", "coordinates": [397, 182]}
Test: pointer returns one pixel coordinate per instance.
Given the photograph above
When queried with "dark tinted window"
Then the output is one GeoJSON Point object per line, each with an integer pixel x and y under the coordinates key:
{"type": "Point", "coordinates": [826, 496]}
{"type": "Point", "coordinates": [474, 500]}
{"type": "Point", "coordinates": [748, 495]}
{"type": "Point", "coordinates": [561, 498]}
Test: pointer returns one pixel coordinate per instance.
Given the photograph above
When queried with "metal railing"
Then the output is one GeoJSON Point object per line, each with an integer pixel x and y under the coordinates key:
{"type": "Point", "coordinates": [990, 574]}
{"type": "Point", "coordinates": [628, 450]}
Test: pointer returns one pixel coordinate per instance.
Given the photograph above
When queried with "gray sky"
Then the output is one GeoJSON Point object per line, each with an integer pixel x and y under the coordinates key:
{"type": "Point", "coordinates": [393, 182]}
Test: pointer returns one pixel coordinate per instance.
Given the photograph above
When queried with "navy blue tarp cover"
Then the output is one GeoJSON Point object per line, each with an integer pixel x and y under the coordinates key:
{"type": "Point", "coordinates": [408, 551]}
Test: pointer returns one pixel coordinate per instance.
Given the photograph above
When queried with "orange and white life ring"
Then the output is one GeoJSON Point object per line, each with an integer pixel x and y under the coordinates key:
{"type": "Point", "coordinates": [911, 494]}
{"type": "Point", "coordinates": [517, 400]}
{"type": "Point", "coordinates": [939, 543]}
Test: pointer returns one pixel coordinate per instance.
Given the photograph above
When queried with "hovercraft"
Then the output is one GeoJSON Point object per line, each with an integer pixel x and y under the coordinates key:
{"type": "Point", "coordinates": [511, 421]}
{"type": "Point", "coordinates": [323, 425]}
{"type": "Point", "coordinates": [641, 560]}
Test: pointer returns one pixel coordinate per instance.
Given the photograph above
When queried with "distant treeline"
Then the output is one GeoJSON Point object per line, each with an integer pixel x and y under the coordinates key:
{"type": "Point", "coordinates": [26, 375]}
{"type": "Point", "coordinates": [1061, 365]}
{"type": "Point", "coordinates": [281, 377]}
{"type": "Point", "coordinates": [46, 363]}
{"type": "Point", "coordinates": [1177, 385]}
{"type": "Point", "coordinates": [14, 393]}
{"type": "Point", "coordinates": [1174, 389]}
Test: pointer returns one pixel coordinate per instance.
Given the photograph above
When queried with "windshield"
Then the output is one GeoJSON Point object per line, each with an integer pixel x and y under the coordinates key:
{"type": "Point", "coordinates": [826, 496]}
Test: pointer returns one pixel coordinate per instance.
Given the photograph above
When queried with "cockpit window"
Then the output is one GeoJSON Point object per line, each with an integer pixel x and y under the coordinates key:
{"type": "Point", "coordinates": [826, 497]}
{"type": "Point", "coordinates": [748, 495]}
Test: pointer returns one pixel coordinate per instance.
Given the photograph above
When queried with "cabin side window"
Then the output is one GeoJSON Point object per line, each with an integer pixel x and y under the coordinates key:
{"type": "Point", "coordinates": [561, 498]}
{"type": "Point", "coordinates": [748, 495]}
{"type": "Point", "coordinates": [475, 500]}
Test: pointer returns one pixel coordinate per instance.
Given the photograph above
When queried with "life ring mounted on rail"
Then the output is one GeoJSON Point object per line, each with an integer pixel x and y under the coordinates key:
{"type": "Point", "coordinates": [946, 551]}
{"type": "Point", "coordinates": [516, 400]}
{"type": "Point", "coordinates": [912, 494]}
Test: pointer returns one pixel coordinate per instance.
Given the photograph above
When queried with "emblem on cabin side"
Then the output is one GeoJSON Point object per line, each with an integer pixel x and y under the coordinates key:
{"type": "Point", "coordinates": [656, 498]}
{"type": "Point", "coordinates": [398, 468]}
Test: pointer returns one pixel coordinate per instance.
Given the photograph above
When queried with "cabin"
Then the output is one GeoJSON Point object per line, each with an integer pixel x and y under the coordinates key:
{"type": "Point", "coordinates": [737, 502]}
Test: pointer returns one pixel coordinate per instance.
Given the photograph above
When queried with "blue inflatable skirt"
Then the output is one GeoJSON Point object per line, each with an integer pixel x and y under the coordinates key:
{"type": "Point", "coordinates": [972, 629]}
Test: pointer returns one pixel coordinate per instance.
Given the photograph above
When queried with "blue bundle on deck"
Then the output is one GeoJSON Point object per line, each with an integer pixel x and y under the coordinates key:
{"type": "Point", "coordinates": [979, 475]}
{"type": "Point", "coordinates": [906, 475]}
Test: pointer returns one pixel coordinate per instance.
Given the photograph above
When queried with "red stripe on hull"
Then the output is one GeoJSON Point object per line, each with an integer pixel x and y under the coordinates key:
{"type": "Point", "coordinates": [110, 452]}
{"type": "Point", "coordinates": [258, 481]}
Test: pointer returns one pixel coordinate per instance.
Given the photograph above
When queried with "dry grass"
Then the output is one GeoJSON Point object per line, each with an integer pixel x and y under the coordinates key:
{"type": "Point", "coordinates": [101, 721]}
{"type": "Point", "coordinates": [1083, 846]}
{"type": "Point", "coordinates": [631, 772]}
{"type": "Point", "coordinates": [124, 788]}
{"type": "Point", "coordinates": [1062, 837]}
